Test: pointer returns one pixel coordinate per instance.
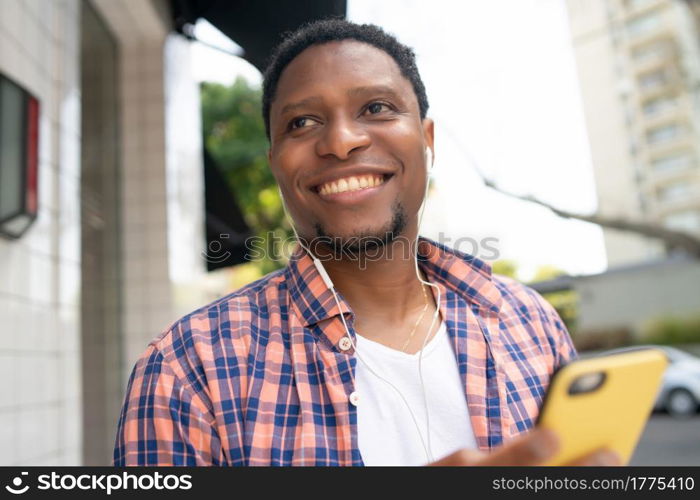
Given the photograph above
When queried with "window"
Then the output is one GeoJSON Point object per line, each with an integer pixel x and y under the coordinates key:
{"type": "Point", "coordinates": [643, 24]}
{"type": "Point", "coordinates": [664, 133]}
{"type": "Point", "coordinates": [684, 221]}
{"type": "Point", "coordinates": [653, 80]}
{"type": "Point", "coordinates": [659, 105]}
{"type": "Point", "coordinates": [672, 163]}
{"type": "Point", "coordinates": [633, 146]}
{"type": "Point", "coordinates": [637, 4]}
{"type": "Point", "coordinates": [649, 52]}
{"type": "Point", "coordinates": [643, 203]}
{"type": "Point", "coordinates": [678, 191]}
{"type": "Point", "coordinates": [19, 135]}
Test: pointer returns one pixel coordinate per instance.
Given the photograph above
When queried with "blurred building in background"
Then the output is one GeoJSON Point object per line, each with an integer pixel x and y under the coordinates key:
{"type": "Point", "coordinates": [115, 253]}
{"type": "Point", "coordinates": [639, 69]}
{"type": "Point", "coordinates": [634, 303]}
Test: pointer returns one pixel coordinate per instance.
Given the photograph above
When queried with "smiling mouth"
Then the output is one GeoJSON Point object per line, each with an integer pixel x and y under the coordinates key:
{"type": "Point", "coordinates": [353, 183]}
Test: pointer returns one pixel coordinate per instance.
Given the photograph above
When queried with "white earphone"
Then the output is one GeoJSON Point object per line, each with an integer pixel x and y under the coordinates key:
{"type": "Point", "coordinates": [329, 283]}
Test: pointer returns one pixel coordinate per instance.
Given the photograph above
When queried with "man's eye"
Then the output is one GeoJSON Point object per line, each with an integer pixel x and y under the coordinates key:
{"type": "Point", "coordinates": [300, 122]}
{"type": "Point", "coordinates": [376, 107]}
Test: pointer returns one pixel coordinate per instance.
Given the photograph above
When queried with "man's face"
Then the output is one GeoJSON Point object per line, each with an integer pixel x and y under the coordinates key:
{"type": "Point", "coordinates": [348, 145]}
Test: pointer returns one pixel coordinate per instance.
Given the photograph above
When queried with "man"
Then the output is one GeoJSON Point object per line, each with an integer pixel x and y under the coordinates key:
{"type": "Point", "coordinates": [273, 374]}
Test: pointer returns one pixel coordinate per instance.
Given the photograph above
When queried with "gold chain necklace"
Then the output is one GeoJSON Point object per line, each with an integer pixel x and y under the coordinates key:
{"type": "Point", "coordinates": [420, 318]}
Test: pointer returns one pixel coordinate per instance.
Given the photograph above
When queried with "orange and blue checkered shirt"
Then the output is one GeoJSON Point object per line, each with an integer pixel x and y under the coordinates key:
{"type": "Point", "coordinates": [258, 377]}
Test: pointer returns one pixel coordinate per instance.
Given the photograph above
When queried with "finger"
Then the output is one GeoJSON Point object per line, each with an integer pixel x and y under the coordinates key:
{"type": "Point", "coordinates": [533, 448]}
{"type": "Point", "coordinates": [460, 458]}
{"type": "Point", "coordinates": [599, 458]}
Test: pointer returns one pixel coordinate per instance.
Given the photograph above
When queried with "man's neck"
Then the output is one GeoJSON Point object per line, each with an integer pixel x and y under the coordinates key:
{"type": "Point", "coordinates": [382, 288]}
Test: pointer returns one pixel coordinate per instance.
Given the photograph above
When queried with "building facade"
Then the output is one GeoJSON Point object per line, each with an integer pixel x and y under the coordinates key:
{"type": "Point", "coordinates": [120, 220]}
{"type": "Point", "coordinates": [639, 70]}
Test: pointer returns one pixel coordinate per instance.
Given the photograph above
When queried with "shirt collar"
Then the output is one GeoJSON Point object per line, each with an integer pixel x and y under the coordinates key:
{"type": "Point", "coordinates": [464, 274]}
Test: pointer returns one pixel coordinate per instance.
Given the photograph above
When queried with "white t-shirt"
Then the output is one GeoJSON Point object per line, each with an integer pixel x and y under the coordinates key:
{"type": "Point", "coordinates": [387, 435]}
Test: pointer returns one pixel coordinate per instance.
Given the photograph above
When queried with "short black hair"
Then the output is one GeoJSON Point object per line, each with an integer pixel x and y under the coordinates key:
{"type": "Point", "coordinates": [332, 30]}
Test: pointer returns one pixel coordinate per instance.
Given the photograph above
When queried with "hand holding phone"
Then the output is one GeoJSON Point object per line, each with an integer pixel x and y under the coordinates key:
{"type": "Point", "coordinates": [602, 402]}
{"type": "Point", "coordinates": [593, 414]}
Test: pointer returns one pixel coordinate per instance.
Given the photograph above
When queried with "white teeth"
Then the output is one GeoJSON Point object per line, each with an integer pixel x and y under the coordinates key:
{"type": "Point", "coordinates": [353, 183]}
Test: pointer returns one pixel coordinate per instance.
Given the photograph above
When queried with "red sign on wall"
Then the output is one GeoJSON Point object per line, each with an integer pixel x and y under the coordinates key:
{"type": "Point", "coordinates": [19, 158]}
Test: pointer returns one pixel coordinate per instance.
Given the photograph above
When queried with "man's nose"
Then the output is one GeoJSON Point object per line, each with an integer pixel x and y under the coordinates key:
{"type": "Point", "coordinates": [341, 137]}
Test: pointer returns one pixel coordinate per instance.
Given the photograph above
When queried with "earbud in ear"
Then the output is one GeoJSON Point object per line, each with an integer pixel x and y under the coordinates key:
{"type": "Point", "coordinates": [429, 159]}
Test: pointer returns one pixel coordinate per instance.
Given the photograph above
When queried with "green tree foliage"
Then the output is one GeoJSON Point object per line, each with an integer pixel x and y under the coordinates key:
{"type": "Point", "coordinates": [673, 330]}
{"type": "Point", "coordinates": [234, 134]}
{"type": "Point", "coordinates": [505, 267]}
{"type": "Point", "coordinates": [547, 273]}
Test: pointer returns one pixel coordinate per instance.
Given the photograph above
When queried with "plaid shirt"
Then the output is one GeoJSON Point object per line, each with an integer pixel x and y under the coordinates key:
{"type": "Point", "coordinates": [258, 377]}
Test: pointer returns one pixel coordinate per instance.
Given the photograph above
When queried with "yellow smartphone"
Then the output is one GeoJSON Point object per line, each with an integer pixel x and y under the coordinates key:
{"type": "Point", "coordinates": [602, 402]}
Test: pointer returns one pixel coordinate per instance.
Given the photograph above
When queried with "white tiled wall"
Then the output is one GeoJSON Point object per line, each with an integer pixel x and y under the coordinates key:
{"type": "Point", "coordinates": [147, 304]}
{"type": "Point", "coordinates": [40, 407]}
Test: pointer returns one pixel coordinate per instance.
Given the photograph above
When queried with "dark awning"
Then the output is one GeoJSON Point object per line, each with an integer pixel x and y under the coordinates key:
{"type": "Point", "coordinates": [255, 25]}
{"type": "Point", "coordinates": [226, 230]}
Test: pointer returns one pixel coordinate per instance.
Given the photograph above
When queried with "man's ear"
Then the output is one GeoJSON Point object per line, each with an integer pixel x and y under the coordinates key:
{"type": "Point", "coordinates": [429, 134]}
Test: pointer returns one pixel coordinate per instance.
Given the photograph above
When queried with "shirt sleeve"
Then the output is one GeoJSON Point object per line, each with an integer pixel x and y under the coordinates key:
{"type": "Point", "coordinates": [563, 346]}
{"type": "Point", "coordinates": [162, 421]}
